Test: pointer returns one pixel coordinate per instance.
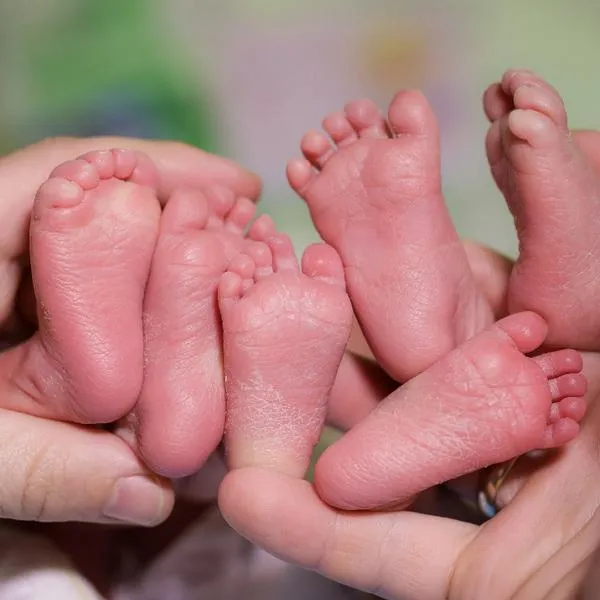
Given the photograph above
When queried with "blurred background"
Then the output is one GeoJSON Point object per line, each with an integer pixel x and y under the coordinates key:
{"type": "Point", "coordinates": [245, 78]}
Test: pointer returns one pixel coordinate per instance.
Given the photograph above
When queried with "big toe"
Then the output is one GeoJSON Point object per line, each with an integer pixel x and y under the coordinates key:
{"type": "Point", "coordinates": [410, 113]}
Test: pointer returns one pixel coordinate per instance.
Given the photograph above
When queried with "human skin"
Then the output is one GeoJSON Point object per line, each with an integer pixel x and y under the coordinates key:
{"type": "Point", "coordinates": [374, 193]}
{"type": "Point", "coordinates": [409, 555]}
{"type": "Point", "coordinates": [45, 462]}
{"type": "Point", "coordinates": [552, 189]}
{"type": "Point", "coordinates": [495, 278]}
{"type": "Point", "coordinates": [542, 544]}
{"type": "Point", "coordinates": [373, 187]}
{"type": "Point", "coordinates": [25, 170]}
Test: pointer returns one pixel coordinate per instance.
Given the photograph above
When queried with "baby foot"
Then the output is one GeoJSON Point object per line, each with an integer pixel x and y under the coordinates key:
{"type": "Point", "coordinates": [180, 416]}
{"type": "Point", "coordinates": [553, 191]}
{"type": "Point", "coordinates": [483, 403]}
{"type": "Point", "coordinates": [93, 230]}
{"type": "Point", "coordinates": [284, 333]}
{"type": "Point", "coordinates": [377, 200]}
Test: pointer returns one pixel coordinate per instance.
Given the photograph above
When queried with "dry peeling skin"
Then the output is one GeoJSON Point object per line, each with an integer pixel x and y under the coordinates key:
{"type": "Point", "coordinates": [484, 403]}
{"type": "Point", "coordinates": [183, 392]}
{"type": "Point", "coordinates": [284, 333]}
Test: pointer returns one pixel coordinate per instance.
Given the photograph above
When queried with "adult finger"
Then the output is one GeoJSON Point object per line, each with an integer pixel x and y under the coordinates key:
{"type": "Point", "coordinates": [542, 539]}
{"type": "Point", "coordinates": [54, 471]}
{"type": "Point", "coordinates": [558, 503]}
{"type": "Point", "coordinates": [394, 555]}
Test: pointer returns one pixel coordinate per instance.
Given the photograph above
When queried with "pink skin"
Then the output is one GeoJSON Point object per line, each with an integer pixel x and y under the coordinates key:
{"type": "Point", "coordinates": [200, 233]}
{"type": "Point", "coordinates": [360, 384]}
{"type": "Point", "coordinates": [553, 191]}
{"type": "Point", "coordinates": [483, 403]}
{"type": "Point", "coordinates": [284, 333]}
{"type": "Point", "coordinates": [376, 198]}
{"type": "Point", "coordinates": [93, 230]}
{"type": "Point", "coordinates": [359, 387]}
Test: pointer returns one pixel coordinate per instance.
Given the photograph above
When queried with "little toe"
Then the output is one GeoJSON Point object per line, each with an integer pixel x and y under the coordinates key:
{"type": "Point", "coordinates": [340, 129]}
{"type": "Point", "coordinates": [494, 142]}
{"type": "Point", "coordinates": [496, 103]}
{"type": "Point", "coordinates": [317, 148]}
{"type": "Point", "coordinates": [366, 118]}
{"type": "Point", "coordinates": [573, 408]}
{"type": "Point", "coordinates": [240, 215]}
{"type": "Point", "coordinates": [321, 261]}
{"type": "Point", "coordinates": [242, 265]}
{"type": "Point", "coordinates": [514, 78]}
{"type": "Point", "coordinates": [261, 255]}
{"type": "Point", "coordinates": [300, 175]}
{"type": "Point", "coordinates": [559, 433]}
{"type": "Point", "coordinates": [125, 162]}
{"type": "Point", "coordinates": [230, 289]}
{"type": "Point", "coordinates": [284, 257]}
{"type": "Point", "coordinates": [262, 229]}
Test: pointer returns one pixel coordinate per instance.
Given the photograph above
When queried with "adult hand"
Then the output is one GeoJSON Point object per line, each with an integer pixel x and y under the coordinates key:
{"type": "Point", "coordinates": [541, 545]}
{"type": "Point", "coordinates": [54, 471]}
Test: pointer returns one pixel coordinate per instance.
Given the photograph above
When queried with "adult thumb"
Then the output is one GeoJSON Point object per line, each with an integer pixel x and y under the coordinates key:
{"type": "Point", "coordinates": [53, 471]}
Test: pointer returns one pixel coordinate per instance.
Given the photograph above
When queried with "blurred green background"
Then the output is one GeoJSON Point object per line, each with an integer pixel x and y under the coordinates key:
{"type": "Point", "coordinates": [246, 78]}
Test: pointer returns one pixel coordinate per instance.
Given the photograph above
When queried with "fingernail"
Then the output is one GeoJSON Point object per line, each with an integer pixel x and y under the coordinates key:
{"type": "Point", "coordinates": [138, 500]}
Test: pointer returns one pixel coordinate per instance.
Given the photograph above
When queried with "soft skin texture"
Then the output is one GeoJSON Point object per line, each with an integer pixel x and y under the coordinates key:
{"type": "Point", "coordinates": [183, 392]}
{"type": "Point", "coordinates": [483, 403]}
{"type": "Point", "coordinates": [541, 545]}
{"type": "Point", "coordinates": [405, 555]}
{"type": "Point", "coordinates": [374, 193]}
{"type": "Point", "coordinates": [552, 189]}
{"type": "Point", "coordinates": [23, 172]}
{"type": "Point", "coordinates": [55, 471]}
{"type": "Point", "coordinates": [272, 307]}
